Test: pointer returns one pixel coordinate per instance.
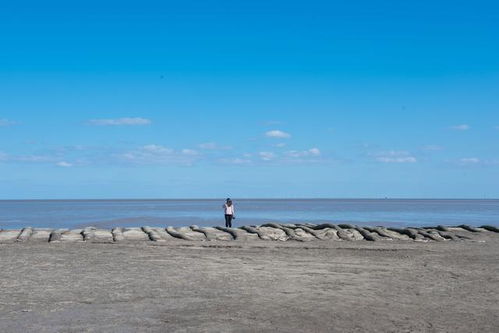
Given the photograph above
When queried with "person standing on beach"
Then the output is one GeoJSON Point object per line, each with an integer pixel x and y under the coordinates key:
{"type": "Point", "coordinates": [229, 213]}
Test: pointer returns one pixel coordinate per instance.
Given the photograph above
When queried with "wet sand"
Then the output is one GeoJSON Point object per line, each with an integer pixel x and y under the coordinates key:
{"type": "Point", "coordinates": [251, 286]}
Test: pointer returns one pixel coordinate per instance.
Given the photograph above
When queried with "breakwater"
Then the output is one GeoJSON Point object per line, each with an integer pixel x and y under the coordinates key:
{"type": "Point", "coordinates": [265, 232]}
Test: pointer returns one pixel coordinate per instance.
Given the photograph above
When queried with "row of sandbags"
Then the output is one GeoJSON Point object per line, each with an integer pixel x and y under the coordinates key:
{"type": "Point", "coordinates": [269, 231]}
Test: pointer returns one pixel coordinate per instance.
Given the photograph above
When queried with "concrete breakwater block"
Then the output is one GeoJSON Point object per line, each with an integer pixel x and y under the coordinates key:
{"type": "Point", "coordinates": [209, 235]}
{"type": "Point", "coordinates": [241, 234]}
{"type": "Point", "coordinates": [303, 235]}
{"type": "Point", "coordinates": [430, 235]}
{"type": "Point", "coordinates": [191, 234]}
{"type": "Point", "coordinates": [326, 234]}
{"type": "Point", "coordinates": [157, 234]}
{"type": "Point", "coordinates": [134, 235]}
{"type": "Point", "coordinates": [95, 235]}
{"type": "Point", "coordinates": [118, 234]}
{"type": "Point", "coordinates": [56, 235]}
{"type": "Point", "coordinates": [236, 233]}
{"type": "Point", "coordinates": [388, 233]}
{"type": "Point", "coordinates": [40, 235]}
{"type": "Point", "coordinates": [176, 233]}
{"type": "Point", "coordinates": [74, 235]}
{"type": "Point", "coordinates": [353, 234]}
{"type": "Point", "coordinates": [251, 236]}
{"type": "Point", "coordinates": [490, 228]}
{"type": "Point", "coordinates": [435, 234]}
{"type": "Point", "coordinates": [294, 232]}
{"type": "Point", "coordinates": [218, 234]}
{"type": "Point", "coordinates": [370, 236]}
{"type": "Point", "coordinates": [287, 228]}
{"type": "Point", "coordinates": [252, 230]}
{"type": "Point", "coordinates": [470, 228]}
{"type": "Point", "coordinates": [102, 235]}
{"type": "Point", "coordinates": [163, 234]}
{"type": "Point", "coordinates": [417, 235]}
{"type": "Point", "coordinates": [269, 233]}
{"type": "Point", "coordinates": [9, 236]}
{"type": "Point", "coordinates": [25, 234]}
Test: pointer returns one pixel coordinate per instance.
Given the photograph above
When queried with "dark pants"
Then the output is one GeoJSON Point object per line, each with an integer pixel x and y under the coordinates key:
{"type": "Point", "coordinates": [228, 221]}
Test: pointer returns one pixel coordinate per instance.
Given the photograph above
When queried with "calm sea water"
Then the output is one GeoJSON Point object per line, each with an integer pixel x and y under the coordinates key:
{"type": "Point", "coordinates": [110, 213]}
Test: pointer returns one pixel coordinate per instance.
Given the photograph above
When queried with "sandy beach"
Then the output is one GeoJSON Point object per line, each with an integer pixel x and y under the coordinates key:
{"type": "Point", "coordinates": [251, 286]}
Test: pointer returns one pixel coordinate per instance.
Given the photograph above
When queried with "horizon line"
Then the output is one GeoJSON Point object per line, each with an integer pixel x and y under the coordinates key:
{"type": "Point", "coordinates": [251, 198]}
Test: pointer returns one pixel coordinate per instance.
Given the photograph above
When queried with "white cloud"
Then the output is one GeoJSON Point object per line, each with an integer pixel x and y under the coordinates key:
{"type": "Point", "coordinates": [64, 164]}
{"type": "Point", "coordinates": [314, 151]}
{"type": "Point", "coordinates": [432, 148]}
{"type": "Point", "coordinates": [277, 134]}
{"type": "Point", "coordinates": [394, 156]}
{"type": "Point", "coordinates": [189, 152]}
{"type": "Point", "coordinates": [462, 127]}
{"type": "Point", "coordinates": [266, 156]}
{"type": "Point", "coordinates": [28, 158]}
{"type": "Point", "coordinates": [236, 161]}
{"type": "Point", "coordinates": [137, 121]}
{"type": "Point", "coordinates": [158, 154]}
{"type": "Point", "coordinates": [157, 149]}
{"type": "Point", "coordinates": [213, 146]}
{"type": "Point", "coordinates": [469, 160]}
{"type": "Point", "coordinates": [279, 145]}
{"type": "Point", "coordinates": [312, 155]}
{"type": "Point", "coordinates": [303, 153]}
{"type": "Point", "coordinates": [475, 161]}
{"type": "Point", "coordinates": [32, 158]}
{"type": "Point", "coordinates": [408, 159]}
{"type": "Point", "coordinates": [208, 145]}
{"type": "Point", "coordinates": [6, 122]}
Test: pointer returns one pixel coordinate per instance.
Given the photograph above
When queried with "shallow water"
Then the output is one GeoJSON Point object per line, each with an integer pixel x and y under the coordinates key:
{"type": "Point", "coordinates": [110, 213]}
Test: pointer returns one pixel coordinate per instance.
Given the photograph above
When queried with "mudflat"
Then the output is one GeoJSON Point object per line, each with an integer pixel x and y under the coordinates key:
{"type": "Point", "coordinates": [251, 286]}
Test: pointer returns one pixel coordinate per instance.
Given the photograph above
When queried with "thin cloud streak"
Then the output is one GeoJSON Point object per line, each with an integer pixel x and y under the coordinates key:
{"type": "Point", "coordinates": [213, 146]}
{"type": "Point", "coordinates": [304, 153]}
{"type": "Point", "coordinates": [408, 159]}
{"type": "Point", "coordinates": [462, 127]}
{"type": "Point", "coordinates": [30, 158]}
{"type": "Point", "coordinates": [266, 155]}
{"type": "Point", "coordinates": [469, 161]}
{"type": "Point", "coordinates": [154, 154]}
{"type": "Point", "coordinates": [236, 161]}
{"type": "Point", "coordinates": [64, 164]}
{"type": "Point", "coordinates": [394, 156]}
{"type": "Point", "coordinates": [432, 148]}
{"type": "Point", "coordinates": [6, 122]}
{"type": "Point", "coordinates": [137, 121]}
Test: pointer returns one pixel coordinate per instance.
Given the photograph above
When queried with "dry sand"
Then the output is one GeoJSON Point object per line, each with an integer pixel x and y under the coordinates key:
{"type": "Point", "coordinates": [251, 286]}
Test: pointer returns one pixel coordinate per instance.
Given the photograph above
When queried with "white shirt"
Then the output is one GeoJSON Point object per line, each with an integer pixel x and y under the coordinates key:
{"type": "Point", "coordinates": [229, 210]}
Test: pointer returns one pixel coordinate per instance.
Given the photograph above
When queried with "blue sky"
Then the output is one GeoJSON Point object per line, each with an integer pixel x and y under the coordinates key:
{"type": "Point", "coordinates": [203, 99]}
